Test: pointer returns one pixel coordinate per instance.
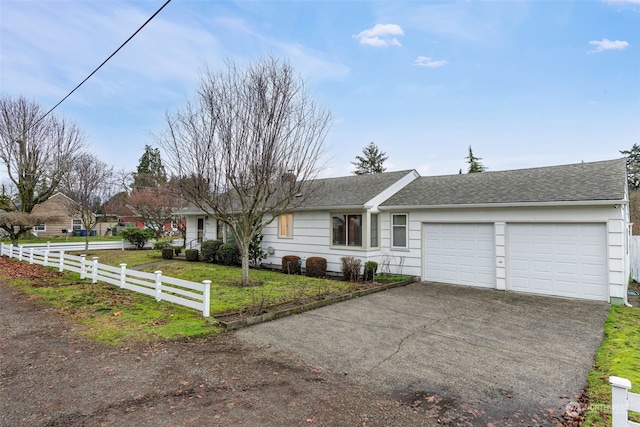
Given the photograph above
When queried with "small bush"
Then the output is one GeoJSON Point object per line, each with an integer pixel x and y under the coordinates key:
{"type": "Point", "coordinates": [256, 254]}
{"type": "Point", "coordinates": [167, 253]}
{"type": "Point", "coordinates": [370, 269]}
{"type": "Point", "coordinates": [209, 249]}
{"type": "Point", "coordinates": [162, 243]}
{"type": "Point", "coordinates": [177, 250]}
{"type": "Point", "coordinates": [291, 264]}
{"type": "Point", "coordinates": [350, 268]}
{"type": "Point", "coordinates": [228, 254]}
{"type": "Point", "coordinates": [137, 236]}
{"type": "Point", "coordinates": [316, 266]}
{"type": "Point", "coordinates": [191, 254]}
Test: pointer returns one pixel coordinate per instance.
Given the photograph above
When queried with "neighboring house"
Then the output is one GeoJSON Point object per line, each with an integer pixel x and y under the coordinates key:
{"type": "Point", "coordinates": [559, 230]}
{"type": "Point", "coordinates": [57, 206]}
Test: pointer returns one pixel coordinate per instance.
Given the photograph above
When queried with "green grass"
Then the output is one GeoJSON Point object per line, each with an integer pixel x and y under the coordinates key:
{"type": "Point", "coordinates": [109, 314]}
{"type": "Point", "coordinates": [115, 257]}
{"type": "Point", "coordinates": [618, 355]}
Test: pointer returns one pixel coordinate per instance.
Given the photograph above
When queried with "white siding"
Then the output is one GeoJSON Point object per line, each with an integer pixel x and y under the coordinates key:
{"type": "Point", "coordinates": [612, 216]}
{"type": "Point", "coordinates": [311, 237]}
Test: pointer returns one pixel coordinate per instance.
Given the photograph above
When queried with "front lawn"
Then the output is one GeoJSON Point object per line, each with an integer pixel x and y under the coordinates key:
{"type": "Point", "coordinates": [112, 315]}
{"type": "Point", "coordinates": [618, 355]}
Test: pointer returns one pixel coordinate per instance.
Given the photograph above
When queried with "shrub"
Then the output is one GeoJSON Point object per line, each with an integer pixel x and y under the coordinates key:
{"type": "Point", "coordinates": [370, 269]}
{"type": "Point", "coordinates": [256, 254]}
{"type": "Point", "coordinates": [350, 268]}
{"type": "Point", "coordinates": [162, 243]}
{"type": "Point", "coordinates": [291, 264]}
{"type": "Point", "coordinates": [177, 250]}
{"type": "Point", "coordinates": [209, 248]}
{"type": "Point", "coordinates": [137, 236]}
{"type": "Point", "coordinates": [316, 266]}
{"type": "Point", "coordinates": [191, 254]}
{"type": "Point", "coordinates": [167, 253]}
{"type": "Point", "coordinates": [228, 254]}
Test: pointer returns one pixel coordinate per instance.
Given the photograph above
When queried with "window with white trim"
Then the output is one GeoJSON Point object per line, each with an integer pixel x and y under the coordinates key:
{"type": "Point", "coordinates": [40, 227]}
{"type": "Point", "coordinates": [285, 226]}
{"type": "Point", "coordinates": [399, 230]}
{"type": "Point", "coordinates": [373, 235]}
{"type": "Point", "coordinates": [76, 224]}
{"type": "Point", "coordinates": [346, 230]}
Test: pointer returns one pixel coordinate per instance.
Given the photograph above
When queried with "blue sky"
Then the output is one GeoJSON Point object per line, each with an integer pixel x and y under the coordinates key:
{"type": "Point", "coordinates": [525, 83]}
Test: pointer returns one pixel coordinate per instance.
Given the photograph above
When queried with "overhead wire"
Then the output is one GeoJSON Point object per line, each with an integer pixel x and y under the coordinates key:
{"type": "Point", "coordinates": [99, 66]}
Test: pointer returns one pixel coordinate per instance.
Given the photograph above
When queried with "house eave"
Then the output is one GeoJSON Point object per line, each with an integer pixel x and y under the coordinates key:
{"type": "Point", "coordinates": [613, 203]}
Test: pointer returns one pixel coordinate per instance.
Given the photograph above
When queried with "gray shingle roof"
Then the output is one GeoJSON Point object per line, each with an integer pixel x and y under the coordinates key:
{"type": "Point", "coordinates": [604, 180]}
{"type": "Point", "coordinates": [350, 191]}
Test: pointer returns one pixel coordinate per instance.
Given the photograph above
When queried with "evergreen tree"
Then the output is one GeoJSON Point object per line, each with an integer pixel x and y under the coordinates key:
{"type": "Point", "coordinates": [633, 166]}
{"type": "Point", "coordinates": [150, 172]}
{"type": "Point", "coordinates": [371, 161]}
{"type": "Point", "coordinates": [475, 164]}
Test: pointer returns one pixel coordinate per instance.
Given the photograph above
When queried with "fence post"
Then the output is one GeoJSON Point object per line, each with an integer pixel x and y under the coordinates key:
{"type": "Point", "coordinates": [619, 404]}
{"type": "Point", "coordinates": [61, 264]}
{"type": "Point", "coordinates": [46, 257]}
{"type": "Point", "coordinates": [11, 250]}
{"type": "Point", "coordinates": [206, 296]}
{"type": "Point", "coordinates": [94, 272]}
{"type": "Point", "coordinates": [48, 245]}
{"type": "Point", "coordinates": [1, 248]}
{"type": "Point", "coordinates": [123, 244]}
{"type": "Point", "coordinates": [30, 255]}
{"type": "Point", "coordinates": [123, 274]}
{"type": "Point", "coordinates": [82, 267]}
{"type": "Point", "coordinates": [158, 285]}
{"type": "Point", "coordinates": [20, 248]}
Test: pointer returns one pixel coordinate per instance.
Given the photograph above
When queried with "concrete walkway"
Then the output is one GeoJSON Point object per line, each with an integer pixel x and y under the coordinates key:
{"type": "Point", "coordinates": [502, 354]}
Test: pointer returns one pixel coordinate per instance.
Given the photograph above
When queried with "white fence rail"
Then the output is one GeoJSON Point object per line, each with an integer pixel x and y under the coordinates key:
{"type": "Point", "coordinates": [182, 292]}
{"type": "Point", "coordinates": [622, 402]}
{"type": "Point", "coordinates": [80, 246]}
{"type": "Point", "coordinates": [635, 258]}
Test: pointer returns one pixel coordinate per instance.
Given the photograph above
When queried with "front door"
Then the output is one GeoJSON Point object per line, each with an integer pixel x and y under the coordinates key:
{"type": "Point", "coordinates": [200, 233]}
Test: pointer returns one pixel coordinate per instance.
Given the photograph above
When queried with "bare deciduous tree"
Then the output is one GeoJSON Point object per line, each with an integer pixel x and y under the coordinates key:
{"type": "Point", "coordinates": [88, 184]}
{"type": "Point", "coordinates": [247, 147]}
{"type": "Point", "coordinates": [16, 223]}
{"type": "Point", "coordinates": [37, 152]}
{"type": "Point", "coordinates": [155, 205]}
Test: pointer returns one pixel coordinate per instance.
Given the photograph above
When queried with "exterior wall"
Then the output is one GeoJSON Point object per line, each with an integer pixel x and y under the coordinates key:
{"type": "Point", "coordinates": [56, 205]}
{"type": "Point", "coordinates": [612, 217]}
{"type": "Point", "coordinates": [312, 237]}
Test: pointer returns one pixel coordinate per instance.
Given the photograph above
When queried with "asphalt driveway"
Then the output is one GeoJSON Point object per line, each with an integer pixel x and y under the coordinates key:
{"type": "Point", "coordinates": [471, 355]}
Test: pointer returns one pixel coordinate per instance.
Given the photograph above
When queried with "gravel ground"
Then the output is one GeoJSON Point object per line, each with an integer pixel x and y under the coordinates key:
{"type": "Point", "coordinates": [51, 376]}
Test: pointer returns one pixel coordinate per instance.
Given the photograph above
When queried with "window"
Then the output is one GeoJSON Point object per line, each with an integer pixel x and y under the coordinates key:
{"type": "Point", "coordinates": [285, 226]}
{"type": "Point", "coordinates": [399, 230]}
{"type": "Point", "coordinates": [40, 227]}
{"type": "Point", "coordinates": [374, 231]}
{"type": "Point", "coordinates": [220, 231]}
{"type": "Point", "coordinates": [347, 230]}
{"type": "Point", "coordinates": [76, 224]}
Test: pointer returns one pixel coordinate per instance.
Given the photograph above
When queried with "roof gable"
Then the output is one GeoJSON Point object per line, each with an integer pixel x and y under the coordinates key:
{"type": "Point", "coordinates": [595, 181]}
{"type": "Point", "coordinates": [355, 191]}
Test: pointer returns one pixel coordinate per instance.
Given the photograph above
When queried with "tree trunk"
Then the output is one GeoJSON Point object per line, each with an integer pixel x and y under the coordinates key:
{"type": "Point", "coordinates": [245, 263]}
{"type": "Point", "coordinates": [86, 241]}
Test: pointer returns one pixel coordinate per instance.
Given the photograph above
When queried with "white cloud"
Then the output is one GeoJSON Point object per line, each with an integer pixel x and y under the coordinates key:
{"type": "Point", "coordinates": [381, 35]}
{"type": "Point", "coordinates": [427, 62]}
{"type": "Point", "coordinates": [606, 44]}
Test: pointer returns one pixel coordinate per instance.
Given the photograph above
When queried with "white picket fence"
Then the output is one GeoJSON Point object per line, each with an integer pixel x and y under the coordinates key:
{"type": "Point", "coordinates": [162, 288]}
{"type": "Point", "coordinates": [635, 258]}
{"type": "Point", "coordinates": [622, 402]}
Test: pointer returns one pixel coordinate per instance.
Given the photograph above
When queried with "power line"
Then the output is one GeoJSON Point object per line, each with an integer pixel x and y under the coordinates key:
{"type": "Point", "coordinates": [99, 66]}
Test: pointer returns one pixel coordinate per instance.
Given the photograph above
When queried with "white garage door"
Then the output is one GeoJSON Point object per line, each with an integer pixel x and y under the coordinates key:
{"type": "Point", "coordinates": [558, 259]}
{"type": "Point", "coordinates": [461, 254]}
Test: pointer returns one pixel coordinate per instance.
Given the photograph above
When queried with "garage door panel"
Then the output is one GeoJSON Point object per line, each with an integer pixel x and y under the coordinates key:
{"type": "Point", "coordinates": [460, 254]}
{"type": "Point", "coordinates": [558, 259]}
